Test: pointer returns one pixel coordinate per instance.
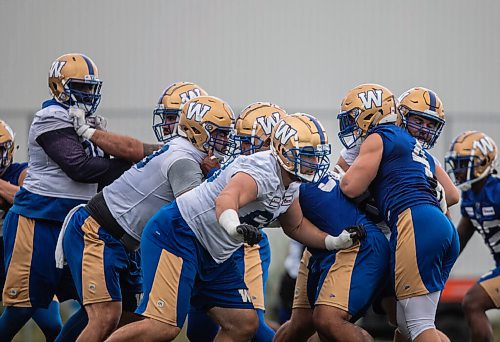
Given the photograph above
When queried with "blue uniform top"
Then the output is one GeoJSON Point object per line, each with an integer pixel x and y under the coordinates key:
{"type": "Point", "coordinates": [13, 172]}
{"type": "Point", "coordinates": [401, 181]}
{"type": "Point", "coordinates": [326, 206]}
{"type": "Point", "coordinates": [483, 210]}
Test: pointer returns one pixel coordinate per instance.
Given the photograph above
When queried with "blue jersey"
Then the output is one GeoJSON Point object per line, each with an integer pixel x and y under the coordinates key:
{"type": "Point", "coordinates": [325, 205]}
{"type": "Point", "coordinates": [13, 172]}
{"type": "Point", "coordinates": [401, 181]}
{"type": "Point", "coordinates": [483, 210]}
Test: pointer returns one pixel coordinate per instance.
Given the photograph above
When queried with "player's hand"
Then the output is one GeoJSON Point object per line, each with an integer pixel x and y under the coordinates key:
{"type": "Point", "coordinates": [345, 239]}
{"type": "Point", "coordinates": [98, 122]}
{"type": "Point", "coordinates": [251, 234]}
{"type": "Point", "coordinates": [209, 163]}
{"type": "Point", "coordinates": [339, 171]}
{"type": "Point", "coordinates": [438, 191]}
{"type": "Point", "coordinates": [80, 123]}
{"type": "Point", "coordinates": [357, 232]}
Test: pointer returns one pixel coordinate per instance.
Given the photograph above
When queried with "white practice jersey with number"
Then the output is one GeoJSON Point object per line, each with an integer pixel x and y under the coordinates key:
{"type": "Point", "coordinates": [197, 206]}
{"type": "Point", "coordinates": [143, 189]}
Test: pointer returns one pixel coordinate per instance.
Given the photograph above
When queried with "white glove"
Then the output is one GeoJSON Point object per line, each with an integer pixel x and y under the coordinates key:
{"type": "Point", "coordinates": [98, 122]}
{"type": "Point", "coordinates": [80, 123]}
{"type": "Point", "coordinates": [441, 197]}
{"type": "Point", "coordinates": [342, 241]}
{"type": "Point", "coordinates": [339, 171]}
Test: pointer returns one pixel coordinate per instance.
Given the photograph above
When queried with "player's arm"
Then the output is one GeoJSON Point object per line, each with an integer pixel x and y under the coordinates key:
{"type": "Point", "coordinates": [364, 169]}
{"type": "Point", "coordinates": [122, 146]}
{"type": "Point", "coordinates": [299, 228]}
{"type": "Point", "coordinates": [240, 191]}
{"type": "Point", "coordinates": [63, 146]}
{"type": "Point", "coordinates": [465, 230]}
{"type": "Point", "coordinates": [8, 190]}
{"type": "Point", "coordinates": [342, 164]}
{"type": "Point", "coordinates": [183, 175]}
{"type": "Point", "coordinates": [452, 194]}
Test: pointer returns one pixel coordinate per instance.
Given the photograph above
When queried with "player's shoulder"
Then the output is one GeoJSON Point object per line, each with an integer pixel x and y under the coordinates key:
{"type": "Point", "coordinates": [50, 111]}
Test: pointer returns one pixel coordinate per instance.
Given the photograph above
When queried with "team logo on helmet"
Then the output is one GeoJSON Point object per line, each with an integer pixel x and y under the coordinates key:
{"type": "Point", "coordinates": [167, 111]}
{"type": "Point", "coordinates": [254, 126]}
{"type": "Point", "coordinates": [74, 81]}
{"type": "Point", "coordinates": [300, 144]}
{"type": "Point", "coordinates": [472, 157]}
{"type": "Point", "coordinates": [364, 107]}
{"type": "Point", "coordinates": [208, 122]}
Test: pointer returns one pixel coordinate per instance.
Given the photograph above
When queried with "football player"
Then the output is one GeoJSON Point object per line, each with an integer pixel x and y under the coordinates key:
{"type": "Point", "coordinates": [97, 235]}
{"type": "Point", "coordinates": [252, 134]}
{"type": "Point", "coordinates": [334, 289]}
{"type": "Point", "coordinates": [396, 168]}
{"type": "Point", "coordinates": [65, 171]}
{"type": "Point", "coordinates": [471, 162]}
{"type": "Point", "coordinates": [11, 178]}
{"type": "Point", "coordinates": [187, 247]}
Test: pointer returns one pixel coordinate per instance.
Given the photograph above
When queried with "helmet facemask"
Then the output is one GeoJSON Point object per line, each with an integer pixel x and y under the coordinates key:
{"type": "Point", "coordinates": [308, 163]}
{"type": "Point", "coordinates": [220, 140]}
{"type": "Point", "coordinates": [84, 94]}
{"type": "Point", "coordinates": [349, 131]}
{"type": "Point", "coordinates": [165, 123]}
{"type": "Point", "coordinates": [426, 135]}
{"type": "Point", "coordinates": [6, 154]}
{"type": "Point", "coordinates": [466, 170]}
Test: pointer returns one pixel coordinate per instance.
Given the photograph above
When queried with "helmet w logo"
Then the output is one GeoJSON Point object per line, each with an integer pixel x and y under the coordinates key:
{"type": "Point", "coordinates": [267, 123]}
{"type": "Point", "coordinates": [190, 94]}
{"type": "Point", "coordinates": [197, 110]}
{"type": "Point", "coordinates": [284, 132]}
{"type": "Point", "coordinates": [55, 69]}
{"type": "Point", "coordinates": [371, 97]}
{"type": "Point", "coordinates": [485, 145]}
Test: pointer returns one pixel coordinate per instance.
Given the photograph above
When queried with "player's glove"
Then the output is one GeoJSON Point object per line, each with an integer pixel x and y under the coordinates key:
{"type": "Point", "coordinates": [438, 191]}
{"type": "Point", "coordinates": [98, 122]}
{"type": "Point", "coordinates": [251, 234]}
{"type": "Point", "coordinates": [80, 123]}
{"type": "Point", "coordinates": [346, 239]}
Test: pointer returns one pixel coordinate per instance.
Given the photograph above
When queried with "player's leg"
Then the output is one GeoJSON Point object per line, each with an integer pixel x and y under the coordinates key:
{"type": "Point", "coordinates": [300, 327]}
{"type": "Point", "coordinates": [31, 275]}
{"type": "Point", "coordinates": [96, 260]}
{"type": "Point", "coordinates": [201, 328]}
{"type": "Point", "coordinates": [256, 265]}
{"type": "Point", "coordinates": [425, 247]}
{"type": "Point", "coordinates": [235, 324]}
{"type": "Point", "coordinates": [49, 320]}
{"type": "Point", "coordinates": [481, 297]}
{"type": "Point", "coordinates": [73, 326]}
{"type": "Point", "coordinates": [350, 280]}
{"type": "Point", "coordinates": [169, 264]}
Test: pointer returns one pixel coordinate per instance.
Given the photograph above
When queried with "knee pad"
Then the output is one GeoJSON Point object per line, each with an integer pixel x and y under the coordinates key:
{"type": "Point", "coordinates": [417, 314]}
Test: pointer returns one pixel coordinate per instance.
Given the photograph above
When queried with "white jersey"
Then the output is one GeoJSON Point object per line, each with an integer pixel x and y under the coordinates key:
{"type": "Point", "coordinates": [45, 177]}
{"type": "Point", "coordinates": [142, 190]}
{"type": "Point", "coordinates": [349, 155]}
{"type": "Point", "coordinates": [197, 206]}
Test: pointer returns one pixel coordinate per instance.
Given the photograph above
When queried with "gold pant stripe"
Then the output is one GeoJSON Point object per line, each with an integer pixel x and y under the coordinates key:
{"type": "Point", "coordinates": [335, 288]}
{"type": "Point", "coordinates": [492, 288]}
{"type": "Point", "coordinates": [408, 282]}
{"type": "Point", "coordinates": [300, 300]}
{"type": "Point", "coordinates": [253, 275]}
{"type": "Point", "coordinates": [162, 301]}
{"type": "Point", "coordinates": [16, 288]}
{"type": "Point", "coordinates": [94, 287]}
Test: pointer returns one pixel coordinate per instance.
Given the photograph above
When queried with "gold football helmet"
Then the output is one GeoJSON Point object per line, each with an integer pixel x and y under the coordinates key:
{"type": "Point", "coordinates": [300, 144]}
{"type": "Point", "coordinates": [422, 115]}
{"type": "Point", "coordinates": [6, 146]}
{"type": "Point", "coordinates": [472, 157]}
{"type": "Point", "coordinates": [208, 122]}
{"type": "Point", "coordinates": [364, 107]}
{"type": "Point", "coordinates": [254, 126]}
{"type": "Point", "coordinates": [74, 81]}
{"type": "Point", "coordinates": [167, 111]}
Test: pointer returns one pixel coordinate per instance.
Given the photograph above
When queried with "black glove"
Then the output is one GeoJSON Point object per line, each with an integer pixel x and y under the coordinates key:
{"type": "Point", "coordinates": [251, 234]}
{"type": "Point", "coordinates": [357, 232]}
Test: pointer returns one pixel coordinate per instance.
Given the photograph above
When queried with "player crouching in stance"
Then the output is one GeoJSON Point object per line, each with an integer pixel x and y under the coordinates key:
{"type": "Point", "coordinates": [187, 247]}
{"type": "Point", "coordinates": [471, 163]}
